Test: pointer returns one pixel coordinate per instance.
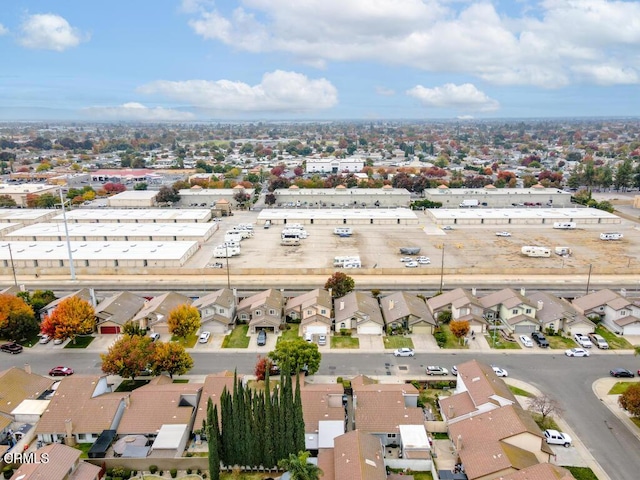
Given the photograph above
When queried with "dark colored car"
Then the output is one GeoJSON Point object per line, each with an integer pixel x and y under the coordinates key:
{"type": "Point", "coordinates": [12, 347]}
{"type": "Point", "coordinates": [61, 371]}
{"type": "Point", "coordinates": [262, 338]}
{"type": "Point", "coordinates": [540, 339]}
{"type": "Point", "coordinates": [621, 372]}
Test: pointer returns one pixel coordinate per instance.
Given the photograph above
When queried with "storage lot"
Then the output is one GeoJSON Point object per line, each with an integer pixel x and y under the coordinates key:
{"type": "Point", "coordinates": [468, 248]}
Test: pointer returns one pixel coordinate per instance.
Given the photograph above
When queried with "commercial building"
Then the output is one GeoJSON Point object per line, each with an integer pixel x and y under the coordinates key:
{"type": "Point", "coordinates": [208, 197]}
{"type": "Point", "coordinates": [490, 196]}
{"type": "Point", "coordinates": [347, 216]}
{"type": "Point", "coordinates": [342, 196]}
{"type": "Point", "coordinates": [520, 216]}
{"type": "Point", "coordinates": [133, 199]}
{"type": "Point", "coordinates": [155, 215]}
{"type": "Point", "coordinates": [20, 193]}
{"type": "Point", "coordinates": [334, 165]}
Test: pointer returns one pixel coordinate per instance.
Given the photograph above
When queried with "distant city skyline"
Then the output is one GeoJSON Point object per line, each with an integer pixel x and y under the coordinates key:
{"type": "Point", "coordinates": [236, 60]}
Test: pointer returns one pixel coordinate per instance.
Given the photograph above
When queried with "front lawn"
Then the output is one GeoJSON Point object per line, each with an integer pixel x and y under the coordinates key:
{"type": "Point", "coordinates": [397, 341]}
{"type": "Point", "coordinates": [615, 342]}
{"type": "Point", "coordinates": [80, 342]}
{"type": "Point", "coordinates": [561, 343]}
{"type": "Point", "coordinates": [338, 341]}
{"type": "Point", "coordinates": [620, 387]}
{"type": "Point", "coordinates": [188, 342]}
{"type": "Point", "coordinates": [521, 392]}
{"type": "Point", "coordinates": [237, 338]}
{"type": "Point", "coordinates": [450, 340]}
{"type": "Point", "coordinates": [582, 473]}
{"type": "Point", "coordinates": [84, 448]}
{"type": "Point", "coordinates": [289, 334]}
{"type": "Point", "coordinates": [501, 343]}
{"type": "Point", "coordinates": [30, 341]}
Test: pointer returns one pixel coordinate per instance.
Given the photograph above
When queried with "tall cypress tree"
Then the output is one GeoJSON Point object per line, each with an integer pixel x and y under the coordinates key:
{"type": "Point", "coordinates": [212, 441]}
{"type": "Point", "coordinates": [288, 417]}
{"type": "Point", "coordinates": [226, 415]}
{"type": "Point", "coordinates": [298, 419]}
{"type": "Point", "coordinates": [269, 459]}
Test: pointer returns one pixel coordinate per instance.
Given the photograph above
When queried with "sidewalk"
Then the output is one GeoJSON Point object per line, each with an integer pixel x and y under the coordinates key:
{"type": "Point", "coordinates": [601, 388]}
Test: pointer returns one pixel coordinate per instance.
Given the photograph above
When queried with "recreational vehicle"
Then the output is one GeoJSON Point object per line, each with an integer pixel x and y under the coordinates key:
{"type": "Point", "coordinates": [611, 236]}
{"type": "Point", "coordinates": [290, 241]}
{"type": "Point", "coordinates": [352, 261]}
{"type": "Point", "coordinates": [565, 225]}
{"type": "Point", "coordinates": [531, 251]}
{"type": "Point", "coordinates": [343, 231]}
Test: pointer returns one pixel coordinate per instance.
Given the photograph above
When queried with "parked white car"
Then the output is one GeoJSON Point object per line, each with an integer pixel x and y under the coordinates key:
{"type": "Point", "coordinates": [554, 437]}
{"type": "Point", "coordinates": [204, 337]}
{"type": "Point", "coordinates": [503, 234]}
{"type": "Point", "coordinates": [501, 372]}
{"type": "Point", "coordinates": [403, 352]}
{"type": "Point", "coordinates": [583, 340]}
{"type": "Point", "coordinates": [44, 339]}
{"type": "Point", "coordinates": [406, 259]}
{"type": "Point", "coordinates": [412, 264]}
{"type": "Point", "coordinates": [424, 260]}
{"type": "Point", "coordinates": [526, 341]}
{"type": "Point", "coordinates": [576, 352]}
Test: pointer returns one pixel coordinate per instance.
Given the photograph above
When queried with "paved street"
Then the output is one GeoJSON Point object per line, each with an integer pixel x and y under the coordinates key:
{"type": "Point", "coordinates": [569, 380]}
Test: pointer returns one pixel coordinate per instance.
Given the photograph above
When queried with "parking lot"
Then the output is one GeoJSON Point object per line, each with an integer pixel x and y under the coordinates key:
{"type": "Point", "coordinates": [467, 249]}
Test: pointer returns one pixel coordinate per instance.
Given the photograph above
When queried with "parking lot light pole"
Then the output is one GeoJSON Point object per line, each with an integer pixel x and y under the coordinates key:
{"type": "Point", "coordinates": [72, 269]}
{"type": "Point", "coordinates": [13, 267]}
{"type": "Point", "coordinates": [589, 279]}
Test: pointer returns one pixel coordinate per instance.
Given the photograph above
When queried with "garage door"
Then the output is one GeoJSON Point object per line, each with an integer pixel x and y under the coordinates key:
{"type": "Point", "coordinates": [520, 329]}
{"type": "Point", "coordinates": [633, 329]}
{"type": "Point", "coordinates": [106, 330]}
{"type": "Point", "coordinates": [316, 330]}
{"type": "Point", "coordinates": [421, 329]}
{"type": "Point", "coordinates": [369, 330]}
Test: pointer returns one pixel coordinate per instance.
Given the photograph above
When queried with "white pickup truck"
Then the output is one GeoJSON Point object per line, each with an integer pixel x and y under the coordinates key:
{"type": "Point", "coordinates": [583, 340]}
{"type": "Point", "coordinates": [554, 437]}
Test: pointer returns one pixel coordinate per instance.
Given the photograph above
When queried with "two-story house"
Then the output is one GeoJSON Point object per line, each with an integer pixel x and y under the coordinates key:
{"type": "Point", "coordinates": [114, 311]}
{"type": "Point", "coordinates": [616, 311]}
{"type": "Point", "coordinates": [513, 309]}
{"type": "Point", "coordinates": [358, 312]}
{"type": "Point", "coordinates": [217, 311]}
{"type": "Point", "coordinates": [263, 311]}
{"type": "Point", "coordinates": [155, 313]}
{"type": "Point", "coordinates": [313, 310]}
{"type": "Point", "coordinates": [407, 312]}
{"type": "Point", "coordinates": [86, 294]}
{"type": "Point", "coordinates": [463, 305]}
{"type": "Point", "coordinates": [559, 315]}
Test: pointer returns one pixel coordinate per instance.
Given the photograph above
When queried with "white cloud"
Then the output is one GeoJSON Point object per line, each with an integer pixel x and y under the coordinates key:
{"type": "Point", "coordinates": [539, 47]}
{"type": "Point", "coordinates": [137, 111]}
{"type": "Point", "coordinates": [460, 97]}
{"type": "Point", "coordinates": [3, 30]}
{"type": "Point", "coordinates": [278, 91]}
{"type": "Point", "coordinates": [385, 92]}
{"type": "Point", "coordinates": [609, 74]}
{"type": "Point", "coordinates": [48, 31]}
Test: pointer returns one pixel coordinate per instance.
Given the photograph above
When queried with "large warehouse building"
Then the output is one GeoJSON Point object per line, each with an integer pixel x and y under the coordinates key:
{"type": "Point", "coordinates": [347, 216]}
{"type": "Point", "coordinates": [342, 196]}
{"type": "Point", "coordinates": [520, 216]}
{"type": "Point", "coordinates": [490, 196]}
{"type": "Point", "coordinates": [153, 215]}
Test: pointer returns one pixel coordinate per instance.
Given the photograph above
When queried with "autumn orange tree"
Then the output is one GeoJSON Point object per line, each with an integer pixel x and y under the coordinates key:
{"type": "Point", "coordinates": [128, 356]}
{"type": "Point", "coordinates": [170, 357]}
{"type": "Point", "coordinates": [183, 321]}
{"type": "Point", "coordinates": [17, 320]}
{"type": "Point", "coordinates": [73, 316]}
{"type": "Point", "coordinates": [630, 400]}
{"type": "Point", "coordinates": [459, 328]}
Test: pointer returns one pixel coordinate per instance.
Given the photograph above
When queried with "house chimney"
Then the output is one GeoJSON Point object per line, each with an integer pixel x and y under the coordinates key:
{"type": "Point", "coordinates": [451, 412]}
{"type": "Point", "coordinates": [69, 439]}
{"type": "Point", "coordinates": [540, 305]}
{"type": "Point", "coordinates": [391, 304]}
{"type": "Point", "coordinates": [27, 368]}
{"type": "Point", "coordinates": [473, 291]}
{"type": "Point", "coordinates": [623, 292]}
{"type": "Point", "coordinates": [522, 291]}
{"type": "Point", "coordinates": [127, 401]}
{"type": "Point", "coordinates": [341, 305]}
{"type": "Point", "coordinates": [459, 443]}
{"type": "Point", "coordinates": [92, 294]}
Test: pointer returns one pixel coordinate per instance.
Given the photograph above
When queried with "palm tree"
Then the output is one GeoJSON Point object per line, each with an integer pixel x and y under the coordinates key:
{"type": "Point", "coordinates": [298, 467]}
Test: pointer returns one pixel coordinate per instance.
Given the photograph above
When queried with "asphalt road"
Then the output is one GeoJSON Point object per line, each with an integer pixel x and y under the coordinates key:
{"type": "Point", "coordinates": [567, 380]}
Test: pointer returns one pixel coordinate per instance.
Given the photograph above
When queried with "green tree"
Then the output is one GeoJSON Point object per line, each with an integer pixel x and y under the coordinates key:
{"type": "Point", "coordinates": [170, 357]}
{"type": "Point", "coordinates": [140, 186]}
{"type": "Point", "coordinates": [17, 320]}
{"type": "Point", "coordinates": [38, 299]}
{"type": "Point", "coordinates": [293, 355]}
{"type": "Point", "coordinates": [167, 195]}
{"type": "Point", "coordinates": [132, 328]}
{"type": "Point", "coordinates": [339, 284]}
{"type": "Point", "coordinates": [212, 440]}
{"type": "Point", "coordinates": [299, 468]}
{"type": "Point", "coordinates": [624, 175]}
{"type": "Point", "coordinates": [183, 321]}
{"type": "Point", "coordinates": [6, 201]}
{"type": "Point", "coordinates": [128, 356]}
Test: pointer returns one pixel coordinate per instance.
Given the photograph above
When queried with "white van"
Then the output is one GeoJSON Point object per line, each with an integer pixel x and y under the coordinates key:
{"type": "Point", "coordinates": [343, 231]}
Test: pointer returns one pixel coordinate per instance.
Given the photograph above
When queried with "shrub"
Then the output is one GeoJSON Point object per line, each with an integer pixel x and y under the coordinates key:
{"type": "Point", "coordinates": [173, 472]}
{"type": "Point", "coordinates": [345, 332]}
{"type": "Point", "coordinates": [416, 384]}
{"type": "Point", "coordinates": [441, 338]}
{"type": "Point", "coordinates": [8, 473]}
{"type": "Point", "coordinates": [339, 380]}
{"type": "Point", "coordinates": [189, 470]}
{"type": "Point", "coordinates": [153, 468]}
{"type": "Point", "coordinates": [161, 472]}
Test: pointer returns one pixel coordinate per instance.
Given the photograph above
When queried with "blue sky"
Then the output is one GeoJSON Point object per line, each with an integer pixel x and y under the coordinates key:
{"type": "Point", "coordinates": [178, 60]}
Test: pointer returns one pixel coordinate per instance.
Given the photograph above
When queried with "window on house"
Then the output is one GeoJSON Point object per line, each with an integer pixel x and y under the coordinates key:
{"type": "Point", "coordinates": [623, 312]}
{"type": "Point", "coordinates": [528, 310]}
{"type": "Point", "coordinates": [258, 313]}
{"type": "Point", "coordinates": [343, 325]}
{"type": "Point", "coordinates": [391, 435]}
{"type": "Point", "coordinates": [514, 311]}
{"type": "Point", "coordinates": [272, 312]}
{"type": "Point", "coordinates": [323, 311]}
{"type": "Point", "coordinates": [221, 310]}
{"type": "Point", "coordinates": [244, 316]}
{"type": "Point", "coordinates": [309, 312]}
{"type": "Point", "coordinates": [82, 436]}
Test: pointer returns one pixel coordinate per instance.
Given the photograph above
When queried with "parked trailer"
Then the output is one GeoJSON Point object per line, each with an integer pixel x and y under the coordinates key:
{"type": "Point", "coordinates": [294, 232]}
{"type": "Point", "coordinates": [233, 236]}
{"type": "Point", "coordinates": [242, 233]}
{"type": "Point", "coordinates": [343, 261]}
{"type": "Point", "coordinates": [343, 231]}
{"type": "Point", "coordinates": [532, 251]}
{"type": "Point", "coordinates": [565, 225]}
{"type": "Point", "coordinates": [469, 203]}
{"type": "Point", "coordinates": [409, 250]}
{"type": "Point", "coordinates": [224, 251]}
{"type": "Point", "coordinates": [563, 251]}
{"type": "Point", "coordinates": [611, 236]}
{"type": "Point", "coordinates": [290, 242]}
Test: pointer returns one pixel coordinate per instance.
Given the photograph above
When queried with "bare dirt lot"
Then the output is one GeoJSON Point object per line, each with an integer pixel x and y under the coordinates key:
{"type": "Point", "coordinates": [467, 249]}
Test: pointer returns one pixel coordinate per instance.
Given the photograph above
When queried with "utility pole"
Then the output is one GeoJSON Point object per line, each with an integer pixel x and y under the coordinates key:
{"type": "Point", "coordinates": [226, 249]}
{"type": "Point", "coordinates": [588, 280]}
{"type": "Point", "coordinates": [442, 270]}
{"type": "Point", "coordinates": [13, 267]}
{"type": "Point", "coordinates": [72, 268]}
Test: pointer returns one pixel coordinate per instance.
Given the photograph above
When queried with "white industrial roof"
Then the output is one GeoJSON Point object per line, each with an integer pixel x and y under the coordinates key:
{"type": "Point", "coordinates": [173, 250]}
{"type": "Point", "coordinates": [342, 191]}
{"type": "Point", "coordinates": [135, 213]}
{"type": "Point", "coordinates": [495, 191]}
{"type": "Point", "coordinates": [135, 195]}
{"type": "Point", "coordinates": [113, 229]}
{"type": "Point", "coordinates": [22, 214]}
{"type": "Point", "coordinates": [336, 214]}
{"type": "Point", "coordinates": [223, 192]}
{"type": "Point", "coordinates": [414, 436]}
{"type": "Point", "coordinates": [6, 189]}
{"type": "Point", "coordinates": [493, 213]}
{"type": "Point", "coordinates": [8, 227]}
{"type": "Point", "coordinates": [169, 437]}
